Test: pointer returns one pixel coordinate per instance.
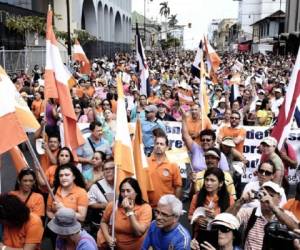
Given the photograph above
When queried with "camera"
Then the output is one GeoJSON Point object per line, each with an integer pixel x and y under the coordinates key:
{"type": "Point", "coordinates": [257, 194]}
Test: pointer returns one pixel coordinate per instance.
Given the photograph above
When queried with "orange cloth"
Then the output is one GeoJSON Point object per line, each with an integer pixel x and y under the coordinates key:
{"type": "Point", "coordinates": [123, 230]}
{"type": "Point", "coordinates": [35, 203]}
{"type": "Point", "coordinates": [79, 91]}
{"type": "Point", "coordinates": [114, 106]}
{"type": "Point", "coordinates": [45, 161]}
{"type": "Point", "coordinates": [50, 174]}
{"type": "Point", "coordinates": [90, 91]}
{"type": "Point", "coordinates": [234, 132]}
{"type": "Point", "coordinates": [153, 100]}
{"type": "Point", "coordinates": [165, 178]}
{"type": "Point", "coordinates": [195, 127]}
{"type": "Point", "coordinates": [30, 233]}
{"type": "Point", "coordinates": [37, 108]}
{"type": "Point", "coordinates": [207, 201]}
{"type": "Point", "coordinates": [77, 197]}
{"type": "Point", "coordinates": [293, 206]}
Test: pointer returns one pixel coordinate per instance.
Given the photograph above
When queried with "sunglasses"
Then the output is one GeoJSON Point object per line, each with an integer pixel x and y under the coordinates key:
{"type": "Point", "coordinates": [264, 172]}
{"type": "Point", "coordinates": [221, 228]}
{"type": "Point", "coordinates": [205, 140]}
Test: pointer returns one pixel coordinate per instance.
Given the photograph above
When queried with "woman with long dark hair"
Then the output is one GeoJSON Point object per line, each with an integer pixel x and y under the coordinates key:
{"type": "Point", "coordinates": [133, 218]}
{"type": "Point", "coordinates": [69, 190]}
{"type": "Point", "coordinates": [213, 197]}
{"type": "Point", "coordinates": [27, 191]}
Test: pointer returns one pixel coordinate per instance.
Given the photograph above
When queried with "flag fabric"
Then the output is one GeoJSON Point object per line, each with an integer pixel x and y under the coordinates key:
{"type": "Point", "coordinates": [140, 162]}
{"type": "Point", "coordinates": [123, 147]}
{"type": "Point", "coordinates": [18, 159]}
{"type": "Point", "coordinates": [12, 132]}
{"type": "Point", "coordinates": [234, 87]}
{"type": "Point", "coordinates": [80, 56]}
{"type": "Point", "coordinates": [142, 64]}
{"type": "Point", "coordinates": [213, 60]}
{"type": "Point", "coordinates": [57, 79]}
{"type": "Point", "coordinates": [287, 109]}
{"type": "Point", "coordinates": [195, 69]}
{"type": "Point", "coordinates": [297, 114]}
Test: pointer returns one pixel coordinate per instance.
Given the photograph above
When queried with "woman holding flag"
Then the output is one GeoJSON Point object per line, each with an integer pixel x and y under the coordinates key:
{"type": "Point", "coordinates": [133, 218]}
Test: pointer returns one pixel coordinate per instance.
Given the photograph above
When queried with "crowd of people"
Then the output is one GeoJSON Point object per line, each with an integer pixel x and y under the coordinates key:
{"type": "Point", "coordinates": [224, 212]}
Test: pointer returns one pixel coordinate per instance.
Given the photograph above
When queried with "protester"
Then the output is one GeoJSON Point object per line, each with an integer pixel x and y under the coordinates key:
{"type": "Point", "coordinates": [132, 219]}
{"type": "Point", "coordinates": [69, 232]}
{"type": "Point", "coordinates": [165, 231]}
{"type": "Point", "coordinates": [98, 159]}
{"type": "Point", "coordinates": [17, 220]}
{"type": "Point", "coordinates": [26, 190]}
{"type": "Point", "coordinates": [164, 175]}
{"type": "Point", "coordinates": [293, 205]}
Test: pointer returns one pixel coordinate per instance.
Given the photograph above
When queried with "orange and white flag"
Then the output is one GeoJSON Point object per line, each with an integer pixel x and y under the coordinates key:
{"type": "Point", "coordinates": [141, 164]}
{"type": "Point", "coordinates": [80, 56]}
{"type": "Point", "coordinates": [123, 146]}
{"type": "Point", "coordinates": [12, 132]}
{"type": "Point", "coordinates": [214, 60]}
{"type": "Point", "coordinates": [18, 158]}
{"type": "Point", "coordinates": [57, 80]}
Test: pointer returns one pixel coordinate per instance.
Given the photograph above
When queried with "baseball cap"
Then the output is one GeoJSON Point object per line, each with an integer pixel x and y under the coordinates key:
{"type": "Point", "coordinates": [278, 90]}
{"type": "Point", "coordinates": [213, 152]}
{"type": "Point", "coordinates": [151, 108]}
{"type": "Point", "coordinates": [227, 220]}
{"type": "Point", "coordinates": [228, 141]}
{"type": "Point", "coordinates": [274, 186]}
{"type": "Point", "coordinates": [271, 141]}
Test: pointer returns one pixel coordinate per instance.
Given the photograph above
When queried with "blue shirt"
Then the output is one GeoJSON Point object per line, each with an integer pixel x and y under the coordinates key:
{"type": "Point", "coordinates": [86, 242]}
{"type": "Point", "coordinates": [147, 129]}
{"type": "Point", "coordinates": [178, 238]}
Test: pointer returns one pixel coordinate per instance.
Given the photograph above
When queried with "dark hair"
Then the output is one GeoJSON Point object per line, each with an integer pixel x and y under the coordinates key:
{"type": "Point", "coordinates": [224, 199]}
{"type": "Point", "coordinates": [159, 133]}
{"type": "Point", "coordinates": [109, 159]}
{"type": "Point", "coordinates": [107, 101]}
{"type": "Point", "coordinates": [79, 181]}
{"type": "Point", "coordinates": [23, 172]}
{"type": "Point", "coordinates": [94, 124]}
{"type": "Point", "coordinates": [269, 162]}
{"type": "Point", "coordinates": [135, 185]}
{"type": "Point", "coordinates": [54, 135]}
{"type": "Point", "coordinates": [236, 113]}
{"type": "Point", "coordinates": [208, 132]}
{"type": "Point", "coordinates": [264, 103]}
{"type": "Point", "coordinates": [13, 211]}
{"type": "Point", "coordinates": [103, 155]}
{"type": "Point", "coordinates": [67, 149]}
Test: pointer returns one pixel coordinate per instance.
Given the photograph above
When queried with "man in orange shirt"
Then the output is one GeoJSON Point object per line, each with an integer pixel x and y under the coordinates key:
{"type": "Point", "coordinates": [293, 205]}
{"type": "Point", "coordinates": [164, 175]}
{"type": "Point", "coordinates": [237, 133]}
{"type": "Point", "coordinates": [21, 229]}
{"type": "Point", "coordinates": [194, 123]}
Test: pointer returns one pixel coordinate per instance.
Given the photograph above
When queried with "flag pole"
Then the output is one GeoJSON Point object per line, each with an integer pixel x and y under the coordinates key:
{"type": "Point", "coordinates": [114, 210]}
{"type": "Point", "coordinates": [39, 168]}
{"type": "Point", "coordinates": [1, 174]}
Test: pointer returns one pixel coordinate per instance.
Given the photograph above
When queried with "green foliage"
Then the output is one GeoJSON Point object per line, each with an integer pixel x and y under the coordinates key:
{"type": "Point", "coordinates": [170, 42]}
{"type": "Point", "coordinates": [82, 35]}
{"type": "Point", "coordinates": [164, 9]}
{"type": "Point", "coordinates": [173, 20]}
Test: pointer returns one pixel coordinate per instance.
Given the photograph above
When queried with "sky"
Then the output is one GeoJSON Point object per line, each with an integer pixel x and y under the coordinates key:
{"type": "Point", "coordinates": [197, 12]}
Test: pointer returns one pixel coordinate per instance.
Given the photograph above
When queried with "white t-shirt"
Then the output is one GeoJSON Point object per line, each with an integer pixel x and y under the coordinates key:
{"type": "Point", "coordinates": [254, 185]}
{"type": "Point", "coordinates": [96, 196]}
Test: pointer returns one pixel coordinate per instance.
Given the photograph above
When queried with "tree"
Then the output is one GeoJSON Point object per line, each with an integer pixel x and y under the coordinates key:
{"type": "Point", "coordinates": [173, 21]}
{"type": "Point", "coordinates": [164, 9]}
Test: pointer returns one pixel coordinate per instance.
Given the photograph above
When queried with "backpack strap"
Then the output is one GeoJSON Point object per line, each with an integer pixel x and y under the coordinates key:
{"type": "Point", "coordinates": [101, 189]}
{"type": "Point", "coordinates": [92, 145]}
{"type": "Point", "coordinates": [250, 224]}
{"type": "Point", "coordinates": [28, 197]}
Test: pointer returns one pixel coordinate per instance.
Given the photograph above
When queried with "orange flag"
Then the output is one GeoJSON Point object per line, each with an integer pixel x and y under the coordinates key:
{"type": "Point", "coordinates": [12, 132]}
{"type": "Point", "coordinates": [57, 81]}
{"type": "Point", "coordinates": [213, 60]}
{"type": "Point", "coordinates": [123, 146]}
{"type": "Point", "coordinates": [140, 161]}
{"type": "Point", "coordinates": [80, 56]}
{"type": "Point", "coordinates": [18, 159]}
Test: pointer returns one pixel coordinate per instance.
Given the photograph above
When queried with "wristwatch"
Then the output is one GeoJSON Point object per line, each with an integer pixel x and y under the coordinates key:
{"type": "Point", "coordinates": [128, 214]}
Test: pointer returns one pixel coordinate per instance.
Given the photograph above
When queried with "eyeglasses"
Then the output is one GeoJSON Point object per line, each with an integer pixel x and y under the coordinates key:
{"type": "Point", "coordinates": [221, 228]}
{"type": "Point", "coordinates": [234, 118]}
{"type": "Point", "coordinates": [205, 140]}
{"type": "Point", "coordinates": [264, 172]}
{"type": "Point", "coordinates": [162, 214]}
{"type": "Point", "coordinates": [108, 169]}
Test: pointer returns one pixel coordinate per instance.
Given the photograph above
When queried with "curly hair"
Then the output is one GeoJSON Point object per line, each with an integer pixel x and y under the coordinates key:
{"type": "Point", "coordinates": [135, 185]}
{"type": "Point", "coordinates": [224, 200]}
{"type": "Point", "coordinates": [13, 211]}
{"type": "Point", "coordinates": [24, 172]}
{"type": "Point", "coordinates": [79, 181]}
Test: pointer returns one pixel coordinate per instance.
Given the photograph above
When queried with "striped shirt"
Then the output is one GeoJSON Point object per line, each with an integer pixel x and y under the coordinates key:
{"type": "Point", "coordinates": [254, 240]}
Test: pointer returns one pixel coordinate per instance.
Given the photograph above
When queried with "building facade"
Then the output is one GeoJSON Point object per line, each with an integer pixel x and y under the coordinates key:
{"type": "Point", "coordinates": [250, 11]}
{"type": "Point", "coordinates": [222, 37]}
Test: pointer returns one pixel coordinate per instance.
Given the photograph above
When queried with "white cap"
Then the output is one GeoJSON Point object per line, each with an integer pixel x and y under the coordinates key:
{"type": "Point", "coordinates": [227, 220]}
{"type": "Point", "coordinates": [271, 141]}
{"type": "Point", "coordinates": [39, 146]}
{"type": "Point", "coordinates": [274, 186]}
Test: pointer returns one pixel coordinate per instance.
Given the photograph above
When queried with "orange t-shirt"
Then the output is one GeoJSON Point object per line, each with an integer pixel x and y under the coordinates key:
{"type": "Point", "coordinates": [37, 107]}
{"type": "Point", "coordinates": [45, 161]}
{"type": "Point", "coordinates": [79, 91]}
{"type": "Point", "coordinates": [30, 233]}
{"type": "Point", "coordinates": [165, 178]}
{"type": "Point", "coordinates": [293, 206]}
{"type": "Point", "coordinates": [50, 174]}
{"type": "Point", "coordinates": [77, 197]}
{"type": "Point", "coordinates": [153, 100]}
{"type": "Point", "coordinates": [207, 201]}
{"type": "Point", "coordinates": [90, 91]}
{"type": "Point", "coordinates": [234, 132]}
{"type": "Point", "coordinates": [35, 203]}
{"type": "Point", "coordinates": [123, 229]}
{"type": "Point", "coordinates": [114, 106]}
{"type": "Point", "coordinates": [195, 127]}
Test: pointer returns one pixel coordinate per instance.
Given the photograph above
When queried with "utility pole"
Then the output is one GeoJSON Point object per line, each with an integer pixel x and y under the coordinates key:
{"type": "Point", "coordinates": [69, 30]}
